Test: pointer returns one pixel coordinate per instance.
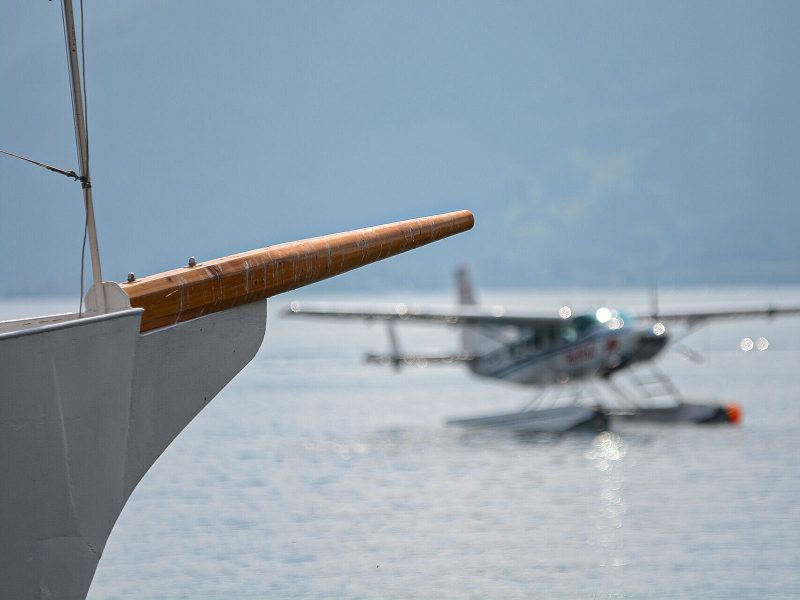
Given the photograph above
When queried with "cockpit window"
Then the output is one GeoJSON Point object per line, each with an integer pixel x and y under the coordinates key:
{"type": "Point", "coordinates": [568, 334]}
{"type": "Point", "coordinates": [602, 317]}
{"type": "Point", "coordinates": [584, 323]}
{"type": "Point", "coordinates": [627, 318]}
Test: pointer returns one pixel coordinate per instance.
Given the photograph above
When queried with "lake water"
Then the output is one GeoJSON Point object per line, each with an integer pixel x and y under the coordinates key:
{"type": "Point", "coordinates": [312, 475]}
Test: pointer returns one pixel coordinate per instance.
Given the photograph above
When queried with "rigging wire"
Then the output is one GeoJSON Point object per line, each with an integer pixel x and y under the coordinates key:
{"type": "Point", "coordinates": [85, 182]}
{"type": "Point", "coordinates": [72, 174]}
{"type": "Point", "coordinates": [83, 260]}
{"type": "Point", "coordinates": [85, 101]}
{"type": "Point", "coordinates": [69, 71]}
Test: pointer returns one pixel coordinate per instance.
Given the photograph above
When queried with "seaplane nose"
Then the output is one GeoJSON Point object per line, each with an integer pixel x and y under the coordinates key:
{"type": "Point", "coordinates": [651, 343]}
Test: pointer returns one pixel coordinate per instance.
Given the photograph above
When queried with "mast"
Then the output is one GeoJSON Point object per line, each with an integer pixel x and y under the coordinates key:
{"type": "Point", "coordinates": [82, 141]}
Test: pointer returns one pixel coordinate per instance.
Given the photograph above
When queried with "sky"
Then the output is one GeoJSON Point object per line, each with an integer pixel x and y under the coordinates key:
{"type": "Point", "coordinates": [614, 143]}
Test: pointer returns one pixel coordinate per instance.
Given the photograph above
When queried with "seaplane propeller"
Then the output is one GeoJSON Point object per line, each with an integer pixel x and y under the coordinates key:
{"type": "Point", "coordinates": [681, 348]}
{"type": "Point", "coordinates": [689, 353]}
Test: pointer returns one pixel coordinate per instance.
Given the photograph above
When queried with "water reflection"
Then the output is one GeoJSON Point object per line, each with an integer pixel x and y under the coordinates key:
{"type": "Point", "coordinates": [345, 450]}
{"type": "Point", "coordinates": [606, 454]}
{"type": "Point", "coordinates": [606, 448]}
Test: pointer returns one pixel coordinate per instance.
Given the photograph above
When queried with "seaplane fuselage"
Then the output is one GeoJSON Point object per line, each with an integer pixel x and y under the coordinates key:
{"type": "Point", "coordinates": [591, 345]}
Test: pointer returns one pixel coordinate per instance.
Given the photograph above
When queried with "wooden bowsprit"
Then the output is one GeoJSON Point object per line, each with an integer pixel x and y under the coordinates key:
{"type": "Point", "coordinates": [212, 286]}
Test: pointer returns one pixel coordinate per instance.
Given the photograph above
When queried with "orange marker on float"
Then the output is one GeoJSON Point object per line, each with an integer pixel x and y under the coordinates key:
{"type": "Point", "coordinates": [734, 412]}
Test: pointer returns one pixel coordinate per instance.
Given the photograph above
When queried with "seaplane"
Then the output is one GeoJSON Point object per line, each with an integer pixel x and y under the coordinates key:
{"type": "Point", "coordinates": [573, 359]}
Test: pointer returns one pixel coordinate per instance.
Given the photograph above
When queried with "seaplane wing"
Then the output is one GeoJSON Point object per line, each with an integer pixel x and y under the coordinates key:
{"type": "Point", "coordinates": [402, 312]}
{"type": "Point", "coordinates": [693, 319]}
{"type": "Point", "coordinates": [416, 359]}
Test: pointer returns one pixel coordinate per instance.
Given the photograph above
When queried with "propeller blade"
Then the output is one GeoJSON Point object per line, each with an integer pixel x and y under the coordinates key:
{"type": "Point", "coordinates": [689, 353]}
{"type": "Point", "coordinates": [654, 300]}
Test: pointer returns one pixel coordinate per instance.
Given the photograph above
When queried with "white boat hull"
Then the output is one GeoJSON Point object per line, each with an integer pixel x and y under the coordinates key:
{"type": "Point", "coordinates": [86, 407]}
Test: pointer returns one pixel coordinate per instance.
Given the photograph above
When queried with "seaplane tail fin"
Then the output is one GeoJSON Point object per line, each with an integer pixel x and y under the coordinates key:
{"type": "Point", "coordinates": [464, 286]}
{"type": "Point", "coordinates": [473, 341]}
